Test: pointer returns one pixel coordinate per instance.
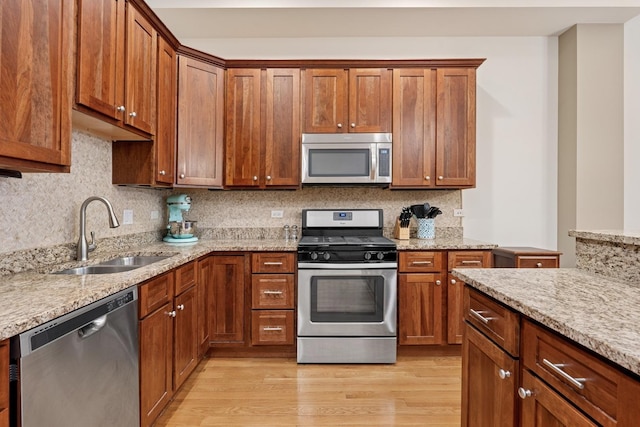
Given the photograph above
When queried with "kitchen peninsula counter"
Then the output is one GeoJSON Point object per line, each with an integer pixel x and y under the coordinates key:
{"type": "Point", "coordinates": [595, 311]}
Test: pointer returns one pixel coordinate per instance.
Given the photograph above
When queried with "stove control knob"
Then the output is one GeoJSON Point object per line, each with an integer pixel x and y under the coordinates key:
{"type": "Point", "coordinates": [380, 255]}
{"type": "Point", "coordinates": [326, 256]}
{"type": "Point", "coordinates": [314, 255]}
{"type": "Point", "coordinates": [367, 256]}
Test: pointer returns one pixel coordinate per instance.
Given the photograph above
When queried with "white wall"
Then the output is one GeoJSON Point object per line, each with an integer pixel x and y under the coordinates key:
{"type": "Point", "coordinates": [632, 125]}
{"type": "Point", "coordinates": [515, 199]}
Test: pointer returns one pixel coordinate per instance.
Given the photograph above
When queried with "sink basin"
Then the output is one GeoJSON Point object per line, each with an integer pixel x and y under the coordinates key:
{"type": "Point", "coordinates": [137, 260]}
{"type": "Point", "coordinates": [98, 269]}
{"type": "Point", "coordinates": [116, 265]}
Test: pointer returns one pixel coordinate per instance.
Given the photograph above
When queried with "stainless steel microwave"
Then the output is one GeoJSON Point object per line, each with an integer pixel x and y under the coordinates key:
{"type": "Point", "coordinates": [346, 158]}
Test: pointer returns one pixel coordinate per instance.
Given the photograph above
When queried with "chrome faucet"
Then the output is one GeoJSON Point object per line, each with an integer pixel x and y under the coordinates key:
{"type": "Point", "coordinates": [83, 246]}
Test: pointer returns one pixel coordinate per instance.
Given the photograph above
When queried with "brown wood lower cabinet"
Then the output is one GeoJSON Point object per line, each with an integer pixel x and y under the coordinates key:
{"type": "Point", "coordinates": [226, 300]}
{"type": "Point", "coordinates": [420, 308]}
{"type": "Point", "coordinates": [517, 372]}
{"type": "Point", "coordinates": [4, 383]}
{"type": "Point", "coordinates": [168, 337]}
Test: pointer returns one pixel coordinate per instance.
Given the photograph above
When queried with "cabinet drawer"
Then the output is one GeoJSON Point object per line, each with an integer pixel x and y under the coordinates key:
{"type": "Point", "coordinates": [496, 321]}
{"type": "Point", "coordinates": [273, 262]}
{"type": "Point", "coordinates": [186, 276]}
{"type": "Point", "coordinates": [581, 377]}
{"type": "Point", "coordinates": [272, 327]}
{"type": "Point", "coordinates": [155, 293]}
{"type": "Point", "coordinates": [272, 291]}
{"type": "Point", "coordinates": [469, 259]}
{"type": "Point", "coordinates": [537, 262]}
{"type": "Point", "coordinates": [420, 262]}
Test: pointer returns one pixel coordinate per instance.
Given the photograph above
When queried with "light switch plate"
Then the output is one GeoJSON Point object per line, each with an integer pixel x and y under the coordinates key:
{"type": "Point", "coordinates": [127, 217]}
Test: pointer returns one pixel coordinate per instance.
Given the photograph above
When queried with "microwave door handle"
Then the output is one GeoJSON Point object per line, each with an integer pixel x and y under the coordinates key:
{"type": "Point", "coordinates": [374, 163]}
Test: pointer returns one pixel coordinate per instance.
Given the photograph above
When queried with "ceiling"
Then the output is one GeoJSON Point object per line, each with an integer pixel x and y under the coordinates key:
{"type": "Point", "coordinates": [211, 19]}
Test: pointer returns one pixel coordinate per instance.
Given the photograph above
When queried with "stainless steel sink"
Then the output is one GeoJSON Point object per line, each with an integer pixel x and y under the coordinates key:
{"type": "Point", "coordinates": [136, 260]}
{"type": "Point", "coordinates": [116, 265]}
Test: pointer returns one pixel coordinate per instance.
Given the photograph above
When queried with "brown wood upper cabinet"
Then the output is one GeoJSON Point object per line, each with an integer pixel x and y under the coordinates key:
{"type": "Point", "coordinates": [263, 128]}
{"type": "Point", "coordinates": [353, 100]}
{"type": "Point", "coordinates": [200, 123]}
{"type": "Point", "coordinates": [434, 128]}
{"type": "Point", "coordinates": [36, 87]}
{"type": "Point", "coordinates": [153, 162]}
{"type": "Point", "coordinates": [116, 70]}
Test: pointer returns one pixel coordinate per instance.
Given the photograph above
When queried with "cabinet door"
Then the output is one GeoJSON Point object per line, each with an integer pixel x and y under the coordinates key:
{"type": "Point", "coordinates": [456, 127]}
{"type": "Point", "coordinates": [325, 100]}
{"type": "Point", "coordinates": [414, 127]}
{"type": "Point", "coordinates": [420, 309]}
{"type": "Point", "coordinates": [140, 72]}
{"type": "Point", "coordinates": [226, 299]}
{"type": "Point", "coordinates": [156, 351]}
{"type": "Point", "coordinates": [205, 282]}
{"type": "Point", "coordinates": [455, 319]}
{"type": "Point", "coordinates": [369, 100]}
{"type": "Point", "coordinates": [36, 84]}
{"type": "Point", "coordinates": [185, 339]}
{"type": "Point", "coordinates": [165, 140]}
{"type": "Point", "coordinates": [543, 407]}
{"type": "Point", "coordinates": [243, 139]}
{"type": "Point", "coordinates": [101, 27]}
{"type": "Point", "coordinates": [4, 383]}
{"type": "Point", "coordinates": [200, 123]}
{"type": "Point", "coordinates": [489, 378]}
{"type": "Point", "coordinates": [282, 123]}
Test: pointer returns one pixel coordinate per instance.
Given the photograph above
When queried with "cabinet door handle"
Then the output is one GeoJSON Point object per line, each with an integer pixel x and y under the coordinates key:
{"type": "Point", "coordinates": [163, 173]}
{"type": "Point", "coordinates": [504, 374]}
{"type": "Point", "coordinates": [478, 315]}
{"type": "Point", "coordinates": [180, 307]}
{"type": "Point", "coordinates": [339, 125]}
{"type": "Point", "coordinates": [421, 262]}
{"type": "Point", "coordinates": [170, 313]}
{"type": "Point", "coordinates": [441, 177]}
{"type": "Point", "coordinates": [272, 292]}
{"type": "Point", "coordinates": [272, 328]}
{"type": "Point", "coordinates": [353, 125]}
{"type": "Point", "coordinates": [268, 177]}
{"type": "Point", "coordinates": [272, 263]}
{"type": "Point", "coordinates": [467, 262]}
{"type": "Point", "coordinates": [438, 282]}
{"type": "Point", "coordinates": [524, 393]}
{"type": "Point", "coordinates": [427, 178]}
{"type": "Point", "coordinates": [181, 176]}
{"type": "Point", "coordinates": [453, 281]}
{"type": "Point", "coordinates": [120, 108]}
{"type": "Point", "coordinates": [132, 114]}
{"type": "Point", "coordinates": [555, 367]}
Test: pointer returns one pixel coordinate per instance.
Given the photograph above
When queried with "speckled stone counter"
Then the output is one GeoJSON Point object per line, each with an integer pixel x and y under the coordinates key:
{"type": "Point", "coordinates": [598, 312]}
{"type": "Point", "coordinates": [613, 253]}
{"type": "Point", "coordinates": [35, 297]}
{"type": "Point", "coordinates": [452, 243]}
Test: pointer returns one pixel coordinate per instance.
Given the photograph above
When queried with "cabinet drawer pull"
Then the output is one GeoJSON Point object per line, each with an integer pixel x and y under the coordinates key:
{"type": "Point", "coordinates": [504, 374]}
{"type": "Point", "coordinates": [478, 315]}
{"type": "Point", "coordinates": [272, 263]}
{"type": "Point", "coordinates": [524, 393]}
{"type": "Point", "coordinates": [272, 328]}
{"type": "Point", "coordinates": [467, 262]}
{"type": "Point", "coordinates": [421, 262]}
{"type": "Point", "coordinates": [555, 367]}
{"type": "Point", "coordinates": [539, 265]}
{"type": "Point", "coordinates": [273, 280]}
{"type": "Point", "coordinates": [272, 292]}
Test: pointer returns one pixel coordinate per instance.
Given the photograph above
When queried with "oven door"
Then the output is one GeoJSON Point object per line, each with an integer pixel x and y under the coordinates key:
{"type": "Point", "coordinates": [343, 300]}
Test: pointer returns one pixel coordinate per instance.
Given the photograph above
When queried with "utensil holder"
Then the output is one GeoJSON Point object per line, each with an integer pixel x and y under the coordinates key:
{"type": "Point", "coordinates": [400, 233]}
{"type": "Point", "coordinates": [426, 228]}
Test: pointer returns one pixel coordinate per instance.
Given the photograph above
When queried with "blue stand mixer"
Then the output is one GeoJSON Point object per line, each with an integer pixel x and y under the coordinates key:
{"type": "Point", "coordinates": [179, 230]}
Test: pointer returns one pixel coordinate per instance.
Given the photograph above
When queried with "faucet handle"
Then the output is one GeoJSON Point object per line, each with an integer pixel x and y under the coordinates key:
{"type": "Point", "coordinates": [92, 243]}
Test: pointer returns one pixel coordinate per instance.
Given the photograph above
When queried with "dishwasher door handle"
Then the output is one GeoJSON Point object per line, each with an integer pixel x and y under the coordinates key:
{"type": "Point", "coordinates": [93, 327]}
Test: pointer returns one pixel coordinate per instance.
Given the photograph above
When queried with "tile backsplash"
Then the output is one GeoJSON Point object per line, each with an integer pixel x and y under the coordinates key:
{"type": "Point", "coordinates": [42, 210]}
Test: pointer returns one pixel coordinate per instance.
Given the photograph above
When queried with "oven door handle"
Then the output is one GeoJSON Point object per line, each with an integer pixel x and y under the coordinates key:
{"type": "Point", "coordinates": [347, 266]}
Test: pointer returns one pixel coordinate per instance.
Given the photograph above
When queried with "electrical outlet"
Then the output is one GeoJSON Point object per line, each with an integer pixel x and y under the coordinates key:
{"type": "Point", "coordinates": [155, 214]}
{"type": "Point", "coordinates": [127, 217]}
{"type": "Point", "coordinates": [458, 212]}
{"type": "Point", "coordinates": [277, 214]}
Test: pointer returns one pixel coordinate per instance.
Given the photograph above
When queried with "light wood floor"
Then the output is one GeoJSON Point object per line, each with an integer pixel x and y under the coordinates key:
{"type": "Point", "coordinates": [416, 391]}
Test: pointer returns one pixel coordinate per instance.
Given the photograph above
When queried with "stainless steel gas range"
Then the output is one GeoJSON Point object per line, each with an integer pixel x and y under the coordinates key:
{"type": "Point", "coordinates": [347, 288]}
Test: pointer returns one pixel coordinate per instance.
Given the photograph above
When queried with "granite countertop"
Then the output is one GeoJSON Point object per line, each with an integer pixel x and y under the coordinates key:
{"type": "Point", "coordinates": [613, 236]}
{"type": "Point", "coordinates": [35, 297]}
{"type": "Point", "coordinates": [598, 312]}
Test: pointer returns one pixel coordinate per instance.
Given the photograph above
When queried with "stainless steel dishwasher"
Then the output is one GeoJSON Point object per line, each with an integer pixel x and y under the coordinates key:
{"type": "Point", "coordinates": [81, 369]}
